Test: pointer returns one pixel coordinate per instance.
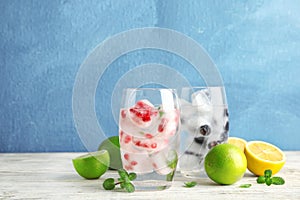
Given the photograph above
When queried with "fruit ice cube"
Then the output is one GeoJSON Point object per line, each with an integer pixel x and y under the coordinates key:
{"type": "Point", "coordinates": [143, 113]}
{"type": "Point", "coordinates": [136, 162]}
{"type": "Point", "coordinates": [150, 144]}
{"type": "Point", "coordinates": [161, 161]}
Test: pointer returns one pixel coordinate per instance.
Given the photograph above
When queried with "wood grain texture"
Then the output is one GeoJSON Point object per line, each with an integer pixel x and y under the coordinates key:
{"type": "Point", "coordinates": [52, 176]}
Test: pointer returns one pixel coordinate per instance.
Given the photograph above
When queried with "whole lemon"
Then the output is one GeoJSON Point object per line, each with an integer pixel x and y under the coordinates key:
{"type": "Point", "coordinates": [225, 164]}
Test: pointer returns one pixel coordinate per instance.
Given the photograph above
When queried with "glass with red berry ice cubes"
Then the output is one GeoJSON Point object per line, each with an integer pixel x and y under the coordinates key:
{"type": "Point", "coordinates": [204, 124]}
{"type": "Point", "coordinates": [149, 136]}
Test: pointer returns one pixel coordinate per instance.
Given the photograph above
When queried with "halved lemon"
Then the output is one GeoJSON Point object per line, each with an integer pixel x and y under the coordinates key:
{"type": "Point", "coordinates": [262, 156]}
{"type": "Point", "coordinates": [239, 142]}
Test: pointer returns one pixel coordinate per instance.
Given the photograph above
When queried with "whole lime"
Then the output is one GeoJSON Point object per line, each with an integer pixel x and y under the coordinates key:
{"type": "Point", "coordinates": [92, 165]}
{"type": "Point", "coordinates": [112, 145]}
{"type": "Point", "coordinates": [225, 164]}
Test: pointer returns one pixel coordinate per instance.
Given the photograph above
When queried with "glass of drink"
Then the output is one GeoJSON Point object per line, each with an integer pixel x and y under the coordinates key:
{"type": "Point", "coordinates": [149, 136]}
{"type": "Point", "coordinates": [204, 124]}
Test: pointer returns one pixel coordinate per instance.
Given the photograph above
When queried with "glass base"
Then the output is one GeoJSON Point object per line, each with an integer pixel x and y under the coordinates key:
{"type": "Point", "coordinates": [193, 173]}
{"type": "Point", "coordinates": [151, 182]}
{"type": "Point", "coordinates": [151, 185]}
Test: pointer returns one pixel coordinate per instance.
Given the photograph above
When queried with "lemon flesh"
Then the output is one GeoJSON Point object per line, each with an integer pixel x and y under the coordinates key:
{"type": "Point", "coordinates": [92, 165]}
{"type": "Point", "coordinates": [225, 164]}
{"type": "Point", "coordinates": [239, 142]}
{"type": "Point", "coordinates": [262, 156]}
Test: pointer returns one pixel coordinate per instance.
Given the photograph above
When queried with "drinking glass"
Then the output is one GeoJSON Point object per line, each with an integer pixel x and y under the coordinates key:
{"type": "Point", "coordinates": [149, 136]}
{"type": "Point", "coordinates": [204, 124]}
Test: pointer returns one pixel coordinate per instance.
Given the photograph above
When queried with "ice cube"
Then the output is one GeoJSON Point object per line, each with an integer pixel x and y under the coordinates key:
{"type": "Point", "coordinates": [143, 113]}
{"type": "Point", "coordinates": [201, 98]}
{"type": "Point", "coordinates": [136, 162]}
{"type": "Point", "coordinates": [161, 161]}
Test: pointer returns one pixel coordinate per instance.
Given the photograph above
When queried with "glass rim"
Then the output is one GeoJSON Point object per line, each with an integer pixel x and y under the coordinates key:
{"type": "Point", "coordinates": [149, 88]}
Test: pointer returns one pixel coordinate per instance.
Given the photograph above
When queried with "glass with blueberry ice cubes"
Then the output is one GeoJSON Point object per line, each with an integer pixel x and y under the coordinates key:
{"type": "Point", "coordinates": [204, 124]}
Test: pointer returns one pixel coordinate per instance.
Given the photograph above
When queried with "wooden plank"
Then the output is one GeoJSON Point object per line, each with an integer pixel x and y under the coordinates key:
{"type": "Point", "coordinates": [52, 176]}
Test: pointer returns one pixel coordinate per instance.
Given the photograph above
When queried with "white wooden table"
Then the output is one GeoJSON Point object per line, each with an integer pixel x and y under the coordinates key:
{"type": "Point", "coordinates": [52, 176]}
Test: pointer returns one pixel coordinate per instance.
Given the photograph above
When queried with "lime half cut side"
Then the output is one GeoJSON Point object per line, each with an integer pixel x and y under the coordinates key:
{"type": "Point", "coordinates": [92, 165]}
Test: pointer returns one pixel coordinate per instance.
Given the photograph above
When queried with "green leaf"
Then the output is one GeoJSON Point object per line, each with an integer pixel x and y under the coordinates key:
{"type": "Point", "coordinates": [190, 184]}
{"type": "Point", "coordinates": [161, 187]}
{"type": "Point", "coordinates": [132, 176]}
{"type": "Point", "coordinates": [122, 173]}
{"type": "Point", "coordinates": [268, 181]}
{"type": "Point", "coordinates": [277, 180]}
{"type": "Point", "coordinates": [245, 185]}
{"type": "Point", "coordinates": [161, 113]}
{"type": "Point", "coordinates": [109, 184]}
{"type": "Point", "coordinates": [129, 187]}
{"type": "Point", "coordinates": [172, 163]}
{"type": "Point", "coordinates": [122, 185]}
{"type": "Point", "coordinates": [268, 173]}
{"type": "Point", "coordinates": [261, 179]}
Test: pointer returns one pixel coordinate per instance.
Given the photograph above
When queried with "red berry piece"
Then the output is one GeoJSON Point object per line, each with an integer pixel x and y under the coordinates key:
{"type": "Point", "coordinates": [162, 125]}
{"type": "Point", "coordinates": [148, 135]}
{"type": "Point", "coordinates": [121, 134]}
{"type": "Point", "coordinates": [127, 139]}
{"type": "Point", "coordinates": [126, 156]}
{"type": "Point", "coordinates": [153, 145]}
{"type": "Point", "coordinates": [128, 167]}
{"type": "Point", "coordinates": [123, 113]}
{"type": "Point", "coordinates": [133, 163]}
{"type": "Point", "coordinates": [154, 165]}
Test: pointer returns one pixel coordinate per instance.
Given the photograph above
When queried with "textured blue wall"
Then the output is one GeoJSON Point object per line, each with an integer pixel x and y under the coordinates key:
{"type": "Point", "coordinates": [255, 45]}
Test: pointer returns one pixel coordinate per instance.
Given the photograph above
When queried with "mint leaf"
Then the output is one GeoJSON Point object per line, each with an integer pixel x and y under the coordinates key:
{"type": "Point", "coordinates": [190, 184]}
{"type": "Point", "coordinates": [245, 185]}
{"type": "Point", "coordinates": [132, 176]}
{"type": "Point", "coordinates": [129, 187]}
{"type": "Point", "coordinates": [109, 184]}
{"type": "Point", "coordinates": [268, 181]}
{"type": "Point", "coordinates": [123, 181]}
{"type": "Point", "coordinates": [261, 179]}
{"type": "Point", "coordinates": [268, 173]}
{"type": "Point", "coordinates": [161, 113]}
{"type": "Point", "coordinates": [277, 180]}
{"type": "Point", "coordinates": [122, 173]}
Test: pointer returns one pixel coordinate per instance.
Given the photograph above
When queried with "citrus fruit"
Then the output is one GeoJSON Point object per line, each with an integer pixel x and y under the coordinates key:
{"type": "Point", "coordinates": [92, 165]}
{"type": "Point", "coordinates": [225, 164]}
{"type": "Point", "coordinates": [239, 142]}
{"type": "Point", "coordinates": [262, 156]}
{"type": "Point", "coordinates": [112, 145]}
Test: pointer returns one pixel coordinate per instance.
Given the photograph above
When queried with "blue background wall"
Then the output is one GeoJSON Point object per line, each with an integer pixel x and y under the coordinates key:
{"type": "Point", "coordinates": [255, 45]}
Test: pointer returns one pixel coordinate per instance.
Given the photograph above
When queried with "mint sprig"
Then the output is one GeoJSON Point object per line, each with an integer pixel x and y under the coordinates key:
{"type": "Point", "coordinates": [269, 180]}
{"type": "Point", "coordinates": [124, 181]}
{"type": "Point", "coordinates": [245, 185]}
{"type": "Point", "coordinates": [190, 184]}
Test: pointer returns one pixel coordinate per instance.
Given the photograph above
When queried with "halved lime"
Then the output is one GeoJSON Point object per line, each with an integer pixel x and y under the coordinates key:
{"type": "Point", "coordinates": [112, 145]}
{"type": "Point", "coordinates": [92, 165]}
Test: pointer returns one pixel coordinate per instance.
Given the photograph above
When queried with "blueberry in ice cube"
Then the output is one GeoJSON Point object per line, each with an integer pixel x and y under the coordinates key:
{"type": "Point", "coordinates": [199, 140]}
{"type": "Point", "coordinates": [226, 113]}
{"type": "Point", "coordinates": [182, 121]}
{"type": "Point", "coordinates": [224, 136]}
{"type": "Point", "coordinates": [227, 126]}
{"type": "Point", "coordinates": [189, 153]}
{"type": "Point", "coordinates": [212, 144]}
{"type": "Point", "coordinates": [204, 130]}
